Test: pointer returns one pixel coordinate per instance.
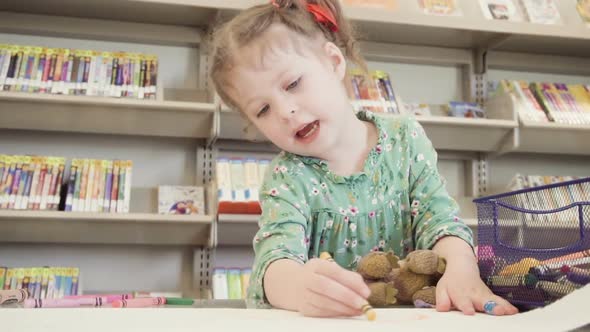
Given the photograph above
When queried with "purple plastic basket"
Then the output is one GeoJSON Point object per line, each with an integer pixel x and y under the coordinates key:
{"type": "Point", "coordinates": [523, 237]}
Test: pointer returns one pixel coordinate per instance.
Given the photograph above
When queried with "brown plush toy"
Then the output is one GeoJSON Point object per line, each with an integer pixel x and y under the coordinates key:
{"type": "Point", "coordinates": [408, 281]}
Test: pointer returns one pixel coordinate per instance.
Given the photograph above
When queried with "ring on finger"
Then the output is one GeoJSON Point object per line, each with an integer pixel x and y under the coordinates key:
{"type": "Point", "coordinates": [489, 306]}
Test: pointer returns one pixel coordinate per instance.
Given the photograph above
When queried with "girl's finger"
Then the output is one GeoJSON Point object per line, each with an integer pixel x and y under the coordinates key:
{"type": "Point", "coordinates": [443, 303]}
{"type": "Point", "coordinates": [337, 292]}
{"type": "Point", "coordinates": [322, 306]}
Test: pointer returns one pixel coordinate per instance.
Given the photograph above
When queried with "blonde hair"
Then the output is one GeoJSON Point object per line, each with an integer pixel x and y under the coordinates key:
{"type": "Point", "coordinates": [251, 23]}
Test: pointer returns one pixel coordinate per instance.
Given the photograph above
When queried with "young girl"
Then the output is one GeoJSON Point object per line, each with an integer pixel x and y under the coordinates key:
{"type": "Point", "coordinates": [345, 183]}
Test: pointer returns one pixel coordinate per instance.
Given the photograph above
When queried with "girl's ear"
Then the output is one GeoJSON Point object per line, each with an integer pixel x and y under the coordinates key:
{"type": "Point", "coordinates": [336, 59]}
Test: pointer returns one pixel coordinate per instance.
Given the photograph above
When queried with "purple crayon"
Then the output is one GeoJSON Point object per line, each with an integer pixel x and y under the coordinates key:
{"type": "Point", "coordinates": [577, 275]}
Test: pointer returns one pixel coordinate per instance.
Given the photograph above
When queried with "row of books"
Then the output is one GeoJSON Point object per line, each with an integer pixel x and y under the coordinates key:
{"type": "Point", "coordinates": [550, 102]}
{"type": "Point", "coordinates": [237, 183]}
{"type": "Point", "coordinates": [230, 283]}
{"type": "Point", "coordinates": [549, 199]}
{"type": "Point", "coordinates": [372, 91]}
{"type": "Point", "coordinates": [35, 183]}
{"type": "Point", "coordinates": [38, 69]}
{"type": "Point", "coordinates": [30, 182]}
{"type": "Point", "coordinates": [534, 11]}
{"type": "Point", "coordinates": [99, 186]}
{"type": "Point", "coordinates": [42, 282]}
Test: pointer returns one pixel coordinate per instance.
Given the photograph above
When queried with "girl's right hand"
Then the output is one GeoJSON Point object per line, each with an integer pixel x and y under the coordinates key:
{"type": "Point", "coordinates": [328, 290]}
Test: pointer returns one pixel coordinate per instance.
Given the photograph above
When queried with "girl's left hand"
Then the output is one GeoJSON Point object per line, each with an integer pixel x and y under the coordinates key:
{"type": "Point", "coordinates": [462, 288]}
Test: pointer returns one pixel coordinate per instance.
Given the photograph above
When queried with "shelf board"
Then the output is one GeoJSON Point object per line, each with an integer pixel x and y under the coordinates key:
{"type": "Point", "coordinates": [552, 64]}
{"type": "Point", "coordinates": [406, 25]}
{"type": "Point", "coordinates": [97, 29]}
{"type": "Point", "coordinates": [105, 115]}
{"type": "Point", "coordinates": [554, 138]}
{"type": "Point", "coordinates": [151, 12]}
{"type": "Point", "coordinates": [103, 228]}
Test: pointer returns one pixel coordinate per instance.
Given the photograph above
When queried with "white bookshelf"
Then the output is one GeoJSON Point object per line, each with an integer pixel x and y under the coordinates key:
{"type": "Point", "coordinates": [541, 137]}
{"type": "Point", "coordinates": [103, 228]}
{"type": "Point", "coordinates": [470, 31]}
{"type": "Point", "coordinates": [403, 36]}
{"type": "Point", "coordinates": [105, 115]}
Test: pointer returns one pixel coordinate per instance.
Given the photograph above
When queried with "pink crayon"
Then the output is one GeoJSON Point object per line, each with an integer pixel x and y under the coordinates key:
{"type": "Point", "coordinates": [110, 298]}
{"type": "Point", "coordinates": [575, 255]}
{"type": "Point", "coordinates": [139, 302]}
{"type": "Point", "coordinates": [51, 303]}
{"type": "Point", "coordinates": [65, 303]}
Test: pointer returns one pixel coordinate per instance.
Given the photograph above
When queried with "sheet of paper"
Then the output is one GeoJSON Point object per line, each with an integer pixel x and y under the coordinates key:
{"type": "Point", "coordinates": [569, 313]}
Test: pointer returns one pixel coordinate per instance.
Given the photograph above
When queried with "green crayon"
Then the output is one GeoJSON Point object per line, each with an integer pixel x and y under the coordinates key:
{"type": "Point", "coordinates": [179, 301]}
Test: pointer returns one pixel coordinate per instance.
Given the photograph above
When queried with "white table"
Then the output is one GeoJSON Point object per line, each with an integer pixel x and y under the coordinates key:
{"type": "Point", "coordinates": [569, 313]}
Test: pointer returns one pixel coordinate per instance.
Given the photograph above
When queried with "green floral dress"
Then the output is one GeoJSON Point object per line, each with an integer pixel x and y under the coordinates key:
{"type": "Point", "coordinates": [398, 202]}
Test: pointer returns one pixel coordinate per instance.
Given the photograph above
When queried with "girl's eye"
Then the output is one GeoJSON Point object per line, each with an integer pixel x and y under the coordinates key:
{"type": "Point", "coordinates": [262, 111]}
{"type": "Point", "coordinates": [294, 84]}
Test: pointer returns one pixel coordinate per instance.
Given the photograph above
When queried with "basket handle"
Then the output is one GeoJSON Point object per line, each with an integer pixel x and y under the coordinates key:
{"type": "Point", "coordinates": [579, 243]}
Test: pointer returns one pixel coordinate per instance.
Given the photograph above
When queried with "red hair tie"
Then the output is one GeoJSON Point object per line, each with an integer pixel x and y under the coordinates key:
{"type": "Point", "coordinates": [274, 3]}
{"type": "Point", "coordinates": [323, 16]}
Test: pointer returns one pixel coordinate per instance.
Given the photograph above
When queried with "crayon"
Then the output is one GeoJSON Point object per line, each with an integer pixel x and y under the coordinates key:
{"type": "Point", "coordinates": [577, 275]}
{"type": "Point", "coordinates": [179, 301]}
{"type": "Point", "coordinates": [576, 255]}
{"type": "Point", "coordinates": [555, 289]}
{"type": "Point", "coordinates": [569, 262]}
{"type": "Point", "coordinates": [520, 294]}
{"type": "Point", "coordinates": [542, 272]}
{"type": "Point", "coordinates": [52, 303]}
{"type": "Point", "coordinates": [366, 308]}
{"type": "Point", "coordinates": [108, 297]}
{"type": "Point", "coordinates": [13, 296]}
{"type": "Point", "coordinates": [526, 280]}
{"type": "Point", "coordinates": [139, 303]}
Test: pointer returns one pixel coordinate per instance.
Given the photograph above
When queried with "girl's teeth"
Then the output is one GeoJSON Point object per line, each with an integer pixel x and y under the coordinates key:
{"type": "Point", "coordinates": [312, 130]}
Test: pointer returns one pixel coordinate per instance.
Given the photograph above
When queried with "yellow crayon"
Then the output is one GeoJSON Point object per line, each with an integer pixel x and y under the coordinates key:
{"type": "Point", "coordinates": [367, 309]}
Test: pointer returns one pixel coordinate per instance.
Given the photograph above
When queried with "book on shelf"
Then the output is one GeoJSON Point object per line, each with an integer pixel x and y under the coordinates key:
{"type": "Point", "coordinates": [30, 182]}
{"type": "Point", "coordinates": [230, 283]}
{"type": "Point", "coordinates": [37, 183]}
{"type": "Point", "coordinates": [46, 70]}
{"type": "Point", "coordinates": [238, 181]}
{"type": "Point", "coordinates": [44, 282]}
{"type": "Point", "coordinates": [460, 109]}
{"type": "Point", "coordinates": [583, 8]}
{"type": "Point", "coordinates": [549, 102]}
{"type": "Point", "coordinates": [549, 199]}
{"type": "Point", "coordinates": [440, 7]}
{"type": "Point", "coordinates": [99, 186]}
{"type": "Point", "coordinates": [500, 10]}
{"type": "Point", "coordinates": [541, 11]}
{"type": "Point", "coordinates": [377, 4]}
{"type": "Point", "coordinates": [182, 200]}
{"type": "Point", "coordinates": [371, 91]}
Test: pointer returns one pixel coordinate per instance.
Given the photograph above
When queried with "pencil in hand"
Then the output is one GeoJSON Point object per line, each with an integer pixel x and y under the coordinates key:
{"type": "Point", "coordinates": [367, 309]}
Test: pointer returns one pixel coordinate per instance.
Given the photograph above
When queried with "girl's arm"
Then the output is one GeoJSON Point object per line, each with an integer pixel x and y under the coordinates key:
{"type": "Point", "coordinates": [461, 285]}
{"type": "Point", "coordinates": [319, 288]}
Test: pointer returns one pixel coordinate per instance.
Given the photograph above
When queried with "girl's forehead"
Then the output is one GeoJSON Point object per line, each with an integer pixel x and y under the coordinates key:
{"type": "Point", "coordinates": [276, 45]}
